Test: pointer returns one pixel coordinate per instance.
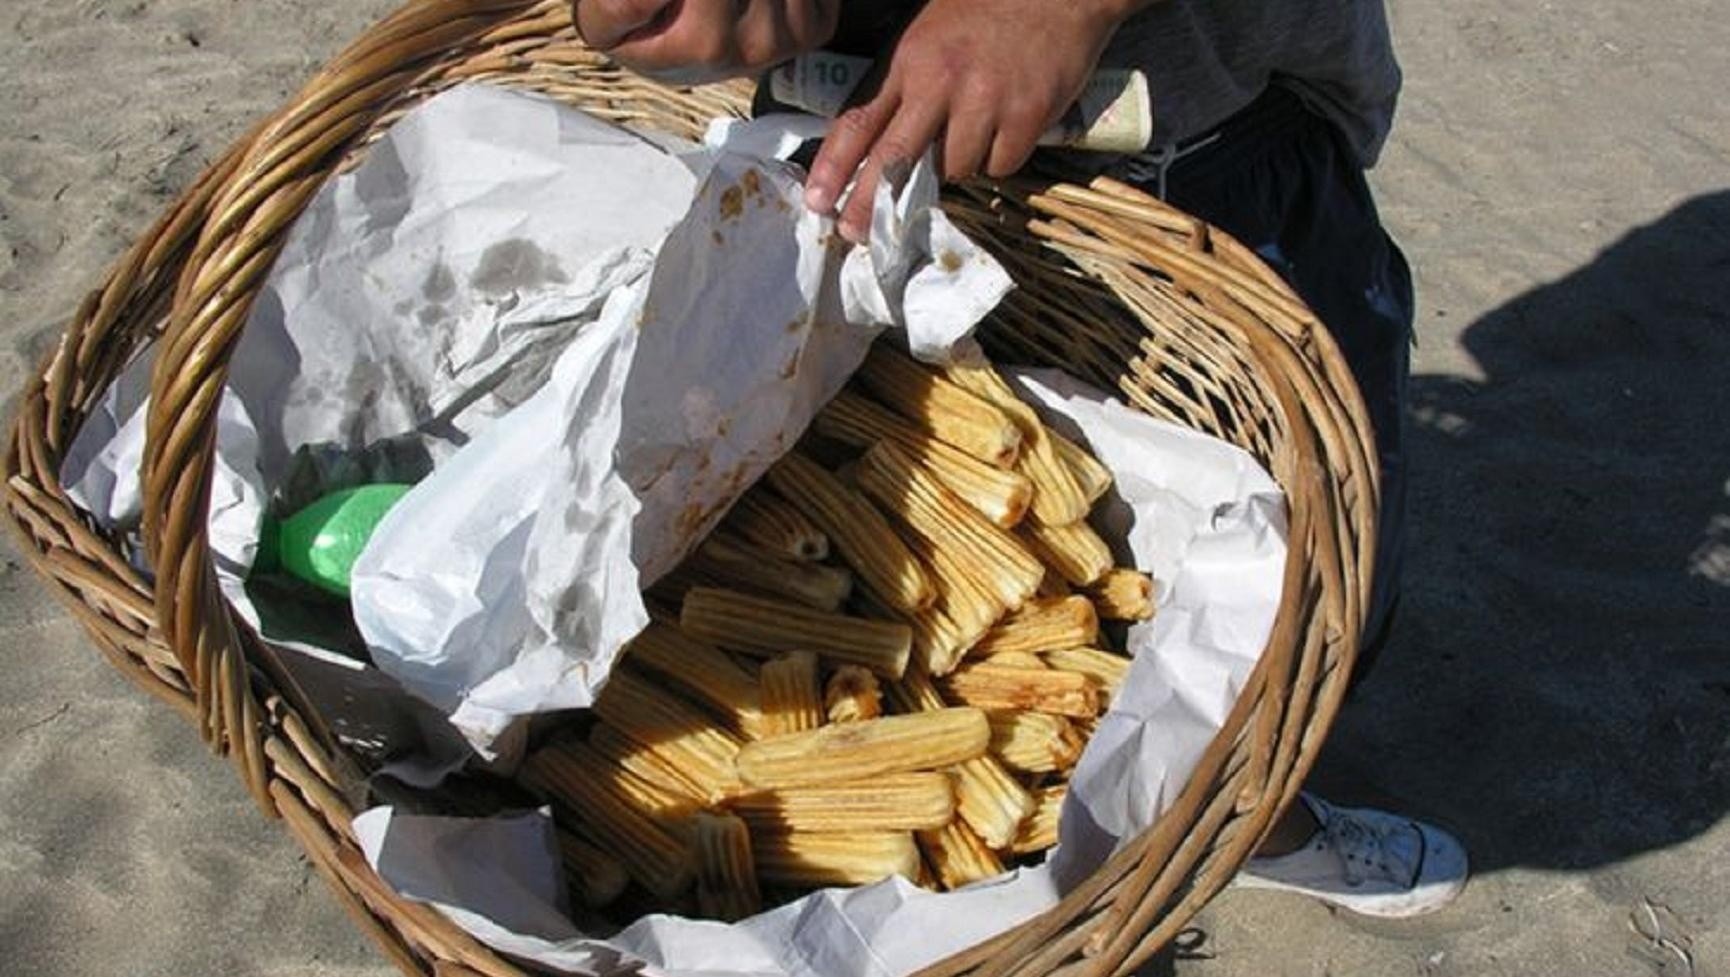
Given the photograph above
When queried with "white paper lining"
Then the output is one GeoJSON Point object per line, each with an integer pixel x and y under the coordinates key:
{"type": "Point", "coordinates": [1196, 512]}
{"type": "Point", "coordinates": [413, 237]}
{"type": "Point", "coordinates": [505, 583]}
{"type": "Point", "coordinates": [580, 343]}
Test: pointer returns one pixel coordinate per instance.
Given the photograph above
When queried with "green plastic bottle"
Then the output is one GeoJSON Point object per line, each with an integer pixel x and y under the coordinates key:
{"type": "Point", "coordinates": [320, 543]}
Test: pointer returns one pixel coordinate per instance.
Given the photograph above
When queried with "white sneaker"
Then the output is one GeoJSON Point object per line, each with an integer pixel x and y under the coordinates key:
{"type": "Point", "coordinates": [1366, 861]}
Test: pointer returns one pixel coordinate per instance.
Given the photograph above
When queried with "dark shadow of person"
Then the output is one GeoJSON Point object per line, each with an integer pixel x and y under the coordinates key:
{"type": "Point", "coordinates": [1558, 690]}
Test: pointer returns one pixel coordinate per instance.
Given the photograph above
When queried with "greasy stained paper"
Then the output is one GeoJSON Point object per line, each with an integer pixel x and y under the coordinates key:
{"type": "Point", "coordinates": [581, 342]}
{"type": "Point", "coordinates": [508, 580]}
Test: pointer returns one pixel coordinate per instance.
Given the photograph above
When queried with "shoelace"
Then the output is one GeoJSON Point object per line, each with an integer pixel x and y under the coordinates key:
{"type": "Point", "coordinates": [1363, 848]}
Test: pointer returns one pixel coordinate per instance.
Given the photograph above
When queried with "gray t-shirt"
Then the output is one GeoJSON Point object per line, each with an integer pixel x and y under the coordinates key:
{"type": "Point", "coordinates": [1206, 59]}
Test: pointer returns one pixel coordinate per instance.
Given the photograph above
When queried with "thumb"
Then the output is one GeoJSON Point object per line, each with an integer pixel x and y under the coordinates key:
{"type": "Point", "coordinates": [603, 24]}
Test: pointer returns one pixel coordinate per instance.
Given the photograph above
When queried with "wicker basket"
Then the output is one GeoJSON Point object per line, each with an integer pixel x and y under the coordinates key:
{"type": "Point", "coordinates": [1116, 287]}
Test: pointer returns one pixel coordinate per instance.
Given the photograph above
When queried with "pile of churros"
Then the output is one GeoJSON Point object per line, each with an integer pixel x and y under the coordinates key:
{"type": "Point", "coordinates": [884, 662]}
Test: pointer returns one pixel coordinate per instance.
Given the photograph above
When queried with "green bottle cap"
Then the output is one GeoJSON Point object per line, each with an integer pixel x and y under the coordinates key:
{"type": "Point", "coordinates": [320, 543]}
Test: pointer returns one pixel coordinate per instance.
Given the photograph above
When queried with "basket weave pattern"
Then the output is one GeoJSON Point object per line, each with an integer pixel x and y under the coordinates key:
{"type": "Point", "coordinates": [1117, 288]}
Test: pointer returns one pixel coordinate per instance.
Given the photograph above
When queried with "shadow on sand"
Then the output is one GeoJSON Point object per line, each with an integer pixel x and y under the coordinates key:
{"type": "Point", "coordinates": [1558, 690]}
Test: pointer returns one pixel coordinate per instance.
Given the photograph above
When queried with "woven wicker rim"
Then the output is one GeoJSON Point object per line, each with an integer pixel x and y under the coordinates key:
{"type": "Point", "coordinates": [1118, 288]}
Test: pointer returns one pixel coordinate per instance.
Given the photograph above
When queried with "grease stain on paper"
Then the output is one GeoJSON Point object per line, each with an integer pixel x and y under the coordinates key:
{"type": "Point", "coordinates": [515, 265]}
{"type": "Point", "coordinates": [732, 203]}
{"type": "Point", "coordinates": [441, 283]}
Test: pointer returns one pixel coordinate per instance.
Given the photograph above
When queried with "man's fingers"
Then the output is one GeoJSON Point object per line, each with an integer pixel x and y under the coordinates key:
{"type": "Point", "coordinates": [967, 141]}
{"type": "Point", "coordinates": [850, 138]}
{"type": "Point", "coordinates": [855, 219]}
{"type": "Point", "coordinates": [1009, 153]}
{"type": "Point", "coordinates": [602, 24]}
{"type": "Point", "coordinates": [694, 41]}
{"type": "Point", "coordinates": [906, 138]}
{"type": "Point", "coordinates": [1019, 127]}
{"type": "Point", "coordinates": [869, 108]}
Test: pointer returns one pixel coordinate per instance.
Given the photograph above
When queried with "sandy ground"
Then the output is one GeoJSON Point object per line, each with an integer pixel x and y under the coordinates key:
{"type": "Point", "coordinates": [1559, 691]}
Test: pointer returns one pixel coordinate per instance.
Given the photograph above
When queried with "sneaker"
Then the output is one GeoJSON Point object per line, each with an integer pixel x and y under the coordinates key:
{"type": "Point", "coordinates": [1368, 862]}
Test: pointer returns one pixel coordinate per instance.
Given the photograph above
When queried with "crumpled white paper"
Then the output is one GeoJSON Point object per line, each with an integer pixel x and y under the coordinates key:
{"type": "Point", "coordinates": [585, 341]}
{"type": "Point", "coordinates": [506, 582]}
{"type": "Point", "coordinates": [100, 471]}
{"type": "Point", "coordinates": [1198, 513]}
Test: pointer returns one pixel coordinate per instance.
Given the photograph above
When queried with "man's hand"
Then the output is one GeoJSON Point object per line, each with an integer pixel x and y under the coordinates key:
{"type": "Point", "coordinates": [694, 41]}
{"type": "Point", "coordinates": [981, 78]}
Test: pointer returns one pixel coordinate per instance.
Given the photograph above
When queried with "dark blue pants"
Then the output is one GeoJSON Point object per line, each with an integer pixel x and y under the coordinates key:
{"type": "Point", "coordinates": [1283, 181]}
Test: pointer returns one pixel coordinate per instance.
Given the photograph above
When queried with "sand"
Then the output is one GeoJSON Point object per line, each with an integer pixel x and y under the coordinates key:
{"type": "Point", "coordinates": [1559, 688]}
